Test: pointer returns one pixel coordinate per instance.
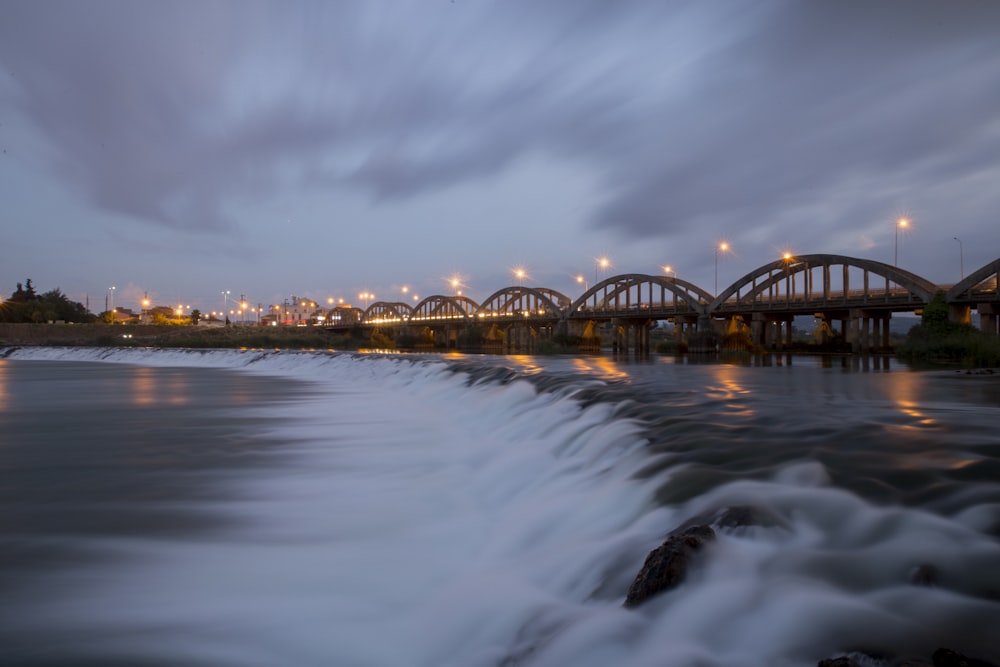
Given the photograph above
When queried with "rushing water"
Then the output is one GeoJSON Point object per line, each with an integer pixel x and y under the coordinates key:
{"type": "Point", "coordinates": [319, 509]}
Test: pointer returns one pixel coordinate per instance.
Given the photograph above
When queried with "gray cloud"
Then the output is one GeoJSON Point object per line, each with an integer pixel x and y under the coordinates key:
{"type": "Point", "coordinates": [695, 115]}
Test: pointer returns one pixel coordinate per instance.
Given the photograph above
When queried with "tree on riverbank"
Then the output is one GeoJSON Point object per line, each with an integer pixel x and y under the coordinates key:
{"type": "Point", "coordinates": [938, 339]}
{"type": "Point", "coordinates": [26, 306]}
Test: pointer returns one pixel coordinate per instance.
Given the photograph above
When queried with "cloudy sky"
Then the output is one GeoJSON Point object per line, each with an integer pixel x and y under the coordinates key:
{"type": "Point", "coordinates": [322, 149]}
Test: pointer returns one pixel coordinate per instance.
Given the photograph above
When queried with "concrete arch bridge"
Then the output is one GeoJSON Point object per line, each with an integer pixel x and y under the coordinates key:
{"type": "Point", "coordinates": [851, 298]}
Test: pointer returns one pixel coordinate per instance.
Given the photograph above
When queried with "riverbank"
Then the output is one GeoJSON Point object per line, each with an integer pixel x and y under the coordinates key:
{"type": "Point", "coordinates": [148, 335]}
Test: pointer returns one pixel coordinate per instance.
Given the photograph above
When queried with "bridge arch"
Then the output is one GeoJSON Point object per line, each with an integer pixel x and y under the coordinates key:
{"type": "Point", "coordinates": [655, 295]}
{"type": "Point", "coordinates": [441, 307]}
{"type": "Point", "coordinates": [776, 282]}
{"type": "Point", "coordinates": [524, 301]}
{"type": "Point", "coordinates": [388, 312]}
{"type": "Point", "coordinates": [979, 286]}
{"type": "Point", "coordinates": [344, 316]}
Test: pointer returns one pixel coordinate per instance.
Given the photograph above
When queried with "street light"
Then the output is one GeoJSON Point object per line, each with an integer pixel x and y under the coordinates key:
{"type": "Point", "coordinates": [519, 276]}
{"type": "Point", "coordinates": [583, 281]}
{"type": "Point", "coordinates": [902, 222]}
{"type": "Point", "coordinates": [667, 269]}
{"type": "Point", "coordinates": [722, 247]}
{"type": "Point", "coordinates": [145, 306]}
{"type": "Point", "coordinates": [456, 284]}
{"type": "Point", "coordinates": [961, 257]}
{"type": "Point", "coordinates": [602, 265]}
{"type": "Point", "coordinates": [111, 307]}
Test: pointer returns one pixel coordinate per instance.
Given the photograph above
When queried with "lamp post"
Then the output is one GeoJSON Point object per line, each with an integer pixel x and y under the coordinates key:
{"type": "Point", "coordinates": [961, 257]}
{"type": "Point", "coordinates": [902, 222]}
{"type": "Point", "coordinates": [667, 269]}
{"type": "Point", "coordinates": [583, 281]}
{"type": "Point", "coordinates": [722, 247]}
{"type": "Point", "coordinates": [145, 306]}
{"type": "Point", "coordinates": [602, 266]}
{"type": "Point", "coordinates": [519, 276]}
{"type": "Point", "coordinates": [111, 306]}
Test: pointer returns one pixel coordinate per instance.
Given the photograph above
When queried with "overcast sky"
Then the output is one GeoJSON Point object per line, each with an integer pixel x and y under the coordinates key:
{"type": "Point", "coordinates": [323, 149]}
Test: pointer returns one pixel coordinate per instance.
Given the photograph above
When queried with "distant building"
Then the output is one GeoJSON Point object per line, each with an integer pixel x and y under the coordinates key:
{"type": "Point", "coordinates": [125, 316]}
{"type": "Point", "coordinates": [295, 312]}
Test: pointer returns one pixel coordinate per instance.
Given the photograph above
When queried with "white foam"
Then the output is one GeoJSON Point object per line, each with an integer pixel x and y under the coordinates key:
{"type": "Point", "coordinates": [414, 519]}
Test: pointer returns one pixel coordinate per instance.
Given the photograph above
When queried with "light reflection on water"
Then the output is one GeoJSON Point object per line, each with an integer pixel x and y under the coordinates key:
{"type": "Point", "coordinates": [4, 388]}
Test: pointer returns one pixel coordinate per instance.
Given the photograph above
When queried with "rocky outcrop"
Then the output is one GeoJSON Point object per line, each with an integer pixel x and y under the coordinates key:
{"type": "Point", "coordinates": [942, 657]}
{"type": "Point", "coordinates": [668, 564]}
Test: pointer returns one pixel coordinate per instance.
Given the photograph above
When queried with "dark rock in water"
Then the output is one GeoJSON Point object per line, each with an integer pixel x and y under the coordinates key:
{"type": "Point", "coordinates": [925, 574]}
{"type": "Point", "coordinates": [667, 565]}
{"type": "Point", "coordinates": [737, 516]}
{"type": "Point", "coordinates": [947, 658]}
{"type": "Point", "coordinates": [867, 659]}
{"type": "Point", "coordinates": [942, 658]}
{"type": "Point", "coordinates": [842, 661]}
{"type": "Point", "coordinates": [911, 662]}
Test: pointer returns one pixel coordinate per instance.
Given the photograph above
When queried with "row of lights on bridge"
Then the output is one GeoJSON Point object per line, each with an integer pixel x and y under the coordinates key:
{"type": "Point", "coordinates": [602, 264]}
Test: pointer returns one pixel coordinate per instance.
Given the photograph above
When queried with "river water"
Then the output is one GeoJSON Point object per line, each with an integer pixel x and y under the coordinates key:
{"type": "Point", "coordinates": [224, 508]}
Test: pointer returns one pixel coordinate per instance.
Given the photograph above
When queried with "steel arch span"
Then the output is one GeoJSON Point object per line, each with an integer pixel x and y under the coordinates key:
{"type": "Point", "coordinates": [344, 316]}
{"type": "Point", "coordinates": [441, 307]}
{"type": "Point", "coordinates": [657, 296]}
{"type": "Point", "coordinates": [980, 286]}
{"type": "Point", "coordinates": [523, 302]}
{"type": "Point", "coordinates": [775, 285]}
{"type": "Point", "coordinates": [388, 312]}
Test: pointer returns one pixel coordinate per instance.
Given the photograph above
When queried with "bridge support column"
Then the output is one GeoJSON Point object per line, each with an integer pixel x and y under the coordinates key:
{"type": "Point", "coordinates": [684, 325]}
{"type": "Point", "coordinates": [988, 318]}
{"type": "Point", "coordinates": [787, 322]}
{"type": "Point", "coordinates": [852, 333]}
{"type": "Point", "coordinates": [758, 329]}
{"type": "Point", "coordinates": [644, 329]}
{"type": "Point", "coordinates": [960, 314]}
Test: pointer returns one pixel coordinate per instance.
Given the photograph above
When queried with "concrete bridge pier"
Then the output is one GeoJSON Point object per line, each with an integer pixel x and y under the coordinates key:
{"type": "Point", "coordinates": [886, 343]}
{"type": "Point", "coordinates": [760, 325]}
{"type": "Point", "coordinates": [881, 330]}
{"type": "Point", "coordinates": [631, 335]}
{"type": "Point", "coordinates": [866, 330]}
{"type": "Point", "coordinates": [766, 331]}
{"type": "Point", "coordinates": [683, 326]}
{"type": "Point", "coordinates": [960, 314]}
{"type": "Point", "coordinates": [519, 339]}
{"type": "Point", "coordinates": [988, 318]}
{"type": "Point", "coordinates": [856, 331]}
{"type": "Point", "coordinates": [642, 336]}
